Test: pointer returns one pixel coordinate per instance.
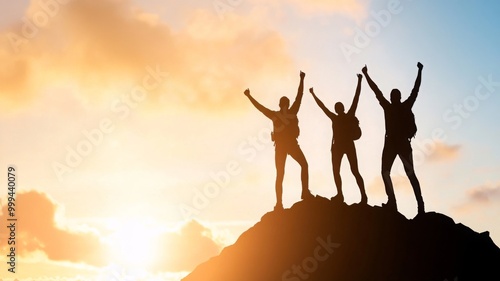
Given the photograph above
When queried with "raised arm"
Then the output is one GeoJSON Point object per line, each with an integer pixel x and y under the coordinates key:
{"type": "Point", "coordinates": [321, 104]}
{"type": "Point", "coordinates": [416, 88]}
{"type": "Point", "coordinates": [381, 99]}
{"type": "Point", "coordinates": [300, 92]}
{"type": "Point", "coordinates": [267, 112]}
{"type": "Point", "coordinates": [355, 101]}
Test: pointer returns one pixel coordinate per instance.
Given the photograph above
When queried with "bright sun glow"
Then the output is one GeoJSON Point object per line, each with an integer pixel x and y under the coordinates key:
{"type": "Point", "coordinates": [133, 244]}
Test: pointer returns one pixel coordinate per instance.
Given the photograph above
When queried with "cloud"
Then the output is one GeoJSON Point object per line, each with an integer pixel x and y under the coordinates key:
{"type": "Point", "coordinates": [352, 8]}
{"type": "Point", "coordinates": [484, 194]}
{"type": "Point", "coordinates": [105, 46]}
{"type": "Point", "coordinates": [376, 187]}
{"type": "Point", "coordinates": [184, 250]}
{"type": "Point", "coordinates": [480, 196]}
{"type": "Point", "coordinates": [355, 9]}
{"type": "Point", "coordinates": [38, 230]}
{"type": "Point", "coordinates": [400, 182]}
{"type": "Point", "coordinates": [444, 152]}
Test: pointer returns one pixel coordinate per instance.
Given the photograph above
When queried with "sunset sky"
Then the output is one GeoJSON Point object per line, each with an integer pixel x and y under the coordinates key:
{"type": "Point", "coordinates": [138, 156]}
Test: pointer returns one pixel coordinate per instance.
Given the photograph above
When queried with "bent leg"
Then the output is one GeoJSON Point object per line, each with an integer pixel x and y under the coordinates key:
{"type": "Point", "coordinates": [353, 162]}
{"type": "Point", "coordinates": [298, 155]}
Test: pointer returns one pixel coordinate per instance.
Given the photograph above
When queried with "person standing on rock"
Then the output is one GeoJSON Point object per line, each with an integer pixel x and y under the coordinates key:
{"type": "Point", "coordinates": [400, 128]}
{"type": "Point", "coordinates": [285, 134]}
{"type": "Point", "coordinates": [346, 129]}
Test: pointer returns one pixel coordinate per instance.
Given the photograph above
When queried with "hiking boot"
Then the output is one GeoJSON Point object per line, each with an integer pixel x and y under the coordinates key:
{"type": "Point", "coordinates": [339, 198]}
{"type": "Point", "coordinates": [278, 207]}
{"type": "Point", "coordinates": [364, 200]}
{"type": "Point", "coordinates": [390, 205]}
{"type": "Point", "coordinates": [421, 208]}
{"type": "Point", "coordinates": [306, 194]}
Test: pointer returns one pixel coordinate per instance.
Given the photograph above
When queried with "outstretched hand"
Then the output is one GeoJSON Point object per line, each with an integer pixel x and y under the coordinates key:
{"type": "Point", "coordinates": [365, 69]}
{"type": "Point", "coordinates": [420, 66]}
{"type": "Point", "coordinates": [247, 92]}
{"type": "Point", "coordinates": [311, 90]}
{"type": "Point", "coordinates": [302, 75]}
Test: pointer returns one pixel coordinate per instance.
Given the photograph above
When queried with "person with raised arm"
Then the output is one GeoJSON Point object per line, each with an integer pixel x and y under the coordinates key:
{"type": "Point", "coordinates": [400, 128]}
{"type": "Point", "coordinates": [345, 128]}
{"type": "Point", "coordinates": [285, 134]}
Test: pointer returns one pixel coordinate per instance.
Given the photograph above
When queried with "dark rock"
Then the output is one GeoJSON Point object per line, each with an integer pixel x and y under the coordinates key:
{"type": "Point", "coordinates": [320, 240]}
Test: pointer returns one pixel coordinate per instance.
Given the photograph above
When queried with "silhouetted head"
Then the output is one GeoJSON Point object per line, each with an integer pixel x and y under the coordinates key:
{"type": "Point", "coordinates": [339, 108]}
{"type": "Point", "coordinates": [284, 103]}
{"type": "Point", "coordinates": [395, 96]}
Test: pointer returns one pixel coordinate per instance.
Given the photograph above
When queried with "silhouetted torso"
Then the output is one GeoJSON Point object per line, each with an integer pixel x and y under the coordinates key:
{"type": "Point", "coordinates": [396, 128]}
{"type": "Point", "coordinates": [341, 129]}
{"type": "Point", "coordinates": [285, 127]}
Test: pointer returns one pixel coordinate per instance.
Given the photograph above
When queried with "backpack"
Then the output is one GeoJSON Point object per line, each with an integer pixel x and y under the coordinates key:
{"type": "Point", "coordinates": [407, 120]}
{"type": "Point", "coordinates": [350, 127]}
{"type": "Point", "coordinates": [353, 126]}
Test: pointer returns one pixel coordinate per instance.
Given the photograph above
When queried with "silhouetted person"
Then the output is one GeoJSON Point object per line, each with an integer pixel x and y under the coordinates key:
{"type": "Point", "coordinates": [284, 135]}
{"type": "Point", "coordinates": [343, 141]}
{"type": "Point", "coordinates": [399, 129]}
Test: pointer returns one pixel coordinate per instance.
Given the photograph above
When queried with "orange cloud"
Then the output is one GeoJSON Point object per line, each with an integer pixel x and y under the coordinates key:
{"type": "Point", "coordinates": [353, 8]}
{"type": "Point", "coordinates": [444, 152]}
{"type": "Point", "coordinates": [183, 251]}
{"type": "Point", "coordinates": [480, 196]}
{"type": "Point", "coordinates": [38, 230]}
{"type": "Point", "coordinates": [485, 194]}
{"type": "Point", "coordinates": [377, 187]}
{"type": "Point", "coordinates": [105, 46]}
